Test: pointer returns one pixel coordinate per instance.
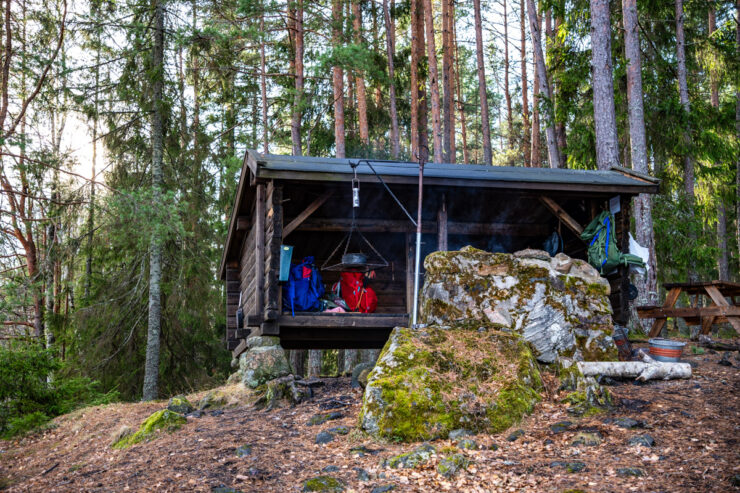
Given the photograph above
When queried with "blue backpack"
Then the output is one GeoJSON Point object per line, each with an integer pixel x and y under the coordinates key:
{"type": "Point", "coordinates": [304, 288]}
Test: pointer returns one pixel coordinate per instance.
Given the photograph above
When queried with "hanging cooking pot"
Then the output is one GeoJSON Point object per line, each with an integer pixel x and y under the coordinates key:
{"type": "Point", "coordinates": [354, 260]}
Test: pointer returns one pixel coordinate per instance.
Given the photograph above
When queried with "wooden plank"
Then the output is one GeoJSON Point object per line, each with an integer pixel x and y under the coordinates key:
{"type": "Point", "coordinates": [239, 348]}
{"type": "Point", "coordinates": [720, 300]}
{"type": "Point", "coordinates": [562, 215]}
{"type": "Point", "coordinates": [354, 321]}
{"type": "Point", "coordinates": [292, 225]}
{"type": "Point", "coordinates": [259, 249]}
{"type": "Point", "coordinates": [706, 324]}
{"type": "Point", "coordinates": [428, 227]}
{"type": "Point", "coordinates": [442, 225]}
{"type": "Point", "coordinates": [242, 223]}
{"type": "Point", "coordinates": [409, 249]}
{"type": "Point", "coordinates": [659, 323]}
{"type": "Point", "coordinates": [690, 312]}
{"type": "Point", "coordinates": [272, 287]}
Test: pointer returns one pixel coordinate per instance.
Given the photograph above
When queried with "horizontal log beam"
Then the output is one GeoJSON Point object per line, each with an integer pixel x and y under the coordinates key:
{"type": "Point", "coordinates": [404, 226]}
{"type": "Point", "coordinates": [706, 311]}
{"type": "Point", "coordinates": [344, 320]}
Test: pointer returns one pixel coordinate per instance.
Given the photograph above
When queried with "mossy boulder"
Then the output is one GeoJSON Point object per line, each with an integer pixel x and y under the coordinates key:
{"type": "Point", "coordinates": [451, 465]}
{"type": "Point", "coordinates": [265, 360]}
{"type": "Point", "coordinates": [410, 460]}
{"type": "Point", "coordinates": [430, 381]}
{"type": "Point", "coordinates": [323, 483]}
{"type": "Point", "coordinates": [164, 420]}
{"type": "Point", "coordinates": [281, 392]}
{"type": "Point", "coordinates": [180, 404]}
{"type": "Point", "coordinates": [559, 305]}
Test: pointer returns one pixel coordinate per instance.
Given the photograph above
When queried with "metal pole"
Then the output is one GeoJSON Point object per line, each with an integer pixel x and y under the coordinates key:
{"type": "Point", "coordinates": [418, 241]}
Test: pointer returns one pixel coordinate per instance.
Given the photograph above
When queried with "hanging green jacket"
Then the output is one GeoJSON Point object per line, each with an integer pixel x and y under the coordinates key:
{"type": "Point", "coordinates": [602, 248]}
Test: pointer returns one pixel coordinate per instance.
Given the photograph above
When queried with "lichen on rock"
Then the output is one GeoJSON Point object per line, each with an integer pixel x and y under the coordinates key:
{"type": "Point", "coordinates": [430, 381]}
{"type": "Point", "coordinates": [265, 360]}
{"type": "Point", "coordinates": [560, 305]}
{"type": "Point", "coordinates": [164, 420]}
{"type": "Point", "coordinates": [180, 404]}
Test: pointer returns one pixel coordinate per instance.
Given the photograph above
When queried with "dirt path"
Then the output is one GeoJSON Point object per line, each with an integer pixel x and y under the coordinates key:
{"type": "Point", "coordinates": [695, 425]}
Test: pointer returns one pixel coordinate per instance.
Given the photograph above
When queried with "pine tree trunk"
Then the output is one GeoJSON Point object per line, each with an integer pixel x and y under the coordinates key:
{"type": "Point", "coordinates": [534, 29]}
{"type": "Point", "coordinates": [556, 46]}
{"type": "Point", "coordinates": [414, 77]}
{"type": "Point", "coordinates": [507, 93]}
{"type": "Point", "coordinates": [688, 161]}
{"type": "Point", "coordinates": [526, 131]}
{"type": "Point", "coordinates": [460, 102]}
{"type": "Point", "coordinates": [351, 358]}
{"type": "Point", "coordinates": [338, 82]}
{"type": "Point", "coordinates": [482, 91]}
{"type": "Point", "coordinates": [723, 267]}
{"type": "Point", "coordinates": [647, 285]}
{"type": "Point", "coordinates": [535, 158]}
{"type": "Point", "coordinates": [359, 79]}
{"type": "Point", "coordinates": [737, 134]}
{"type": "Point", "coordinates": [91, 205]}
{"type": "Point", "coordinates": [448, 117]}
{"type": "Point", "coordinates": [433, 81]}
{"type": "Point", "coordinates": [263, 89]}
{"type": "Point", "coordinates": [295, 125]}
{"type": "Point", "coordinates": [605, 119]}
{"type": "Point", "coordinates": [151, 368]}
{"type": "Point", "coordinates": [314, 363]}
{"type": "Point", "coordinates": [391, 51]}
{"type": "Point", "coordinates": [298, 362]}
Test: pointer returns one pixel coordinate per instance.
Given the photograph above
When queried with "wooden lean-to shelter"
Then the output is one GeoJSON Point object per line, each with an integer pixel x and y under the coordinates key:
{"type": "Point", "coordinates": [306, 202]}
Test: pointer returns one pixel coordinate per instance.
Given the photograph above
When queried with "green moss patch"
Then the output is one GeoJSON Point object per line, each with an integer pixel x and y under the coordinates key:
{"type": "Point", "coordinates": [431, 381]}
{"type": "Point", "coordinates": [164, 420]}
{"type": "Point", "coordinates": [324, 484]}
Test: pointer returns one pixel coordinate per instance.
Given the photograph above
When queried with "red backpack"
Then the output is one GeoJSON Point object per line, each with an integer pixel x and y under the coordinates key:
{"type": "Point", "coordinates": [358, 297]}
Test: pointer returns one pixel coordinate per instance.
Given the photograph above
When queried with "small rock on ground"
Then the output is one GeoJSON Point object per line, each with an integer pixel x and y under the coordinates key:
{"type": "Point", "coordinates": [643, 440]}
{"type": "Point", "coordinates": [318, 419]}
{"type": "Point", "coordinates": [383, 488]}
{"type": "Point", "coordinates": [589, 439]}
{"type": "Point", "coordinates": [324, 437]}
{"type": "Point", "coordinates": [560, 426]}
{"type": "Point", "coordinates": [331, 468]}
{"type": "Point", "coordinates": [467, 444]}
{"type": "Point", "coordinates": [630, 471]}
{"type": "Point", "coordinates": [515, 435]}
{"type": "Point", "coordinates": [628, 423]}
{"type": "Point", "coordinates": [244, 450]}
{"type": "Point", "coordinates": [326, 484]}
{"type": "Point", "coordinates": [362, 475]}
{"type": "Point", "coordinates": [459, 433]}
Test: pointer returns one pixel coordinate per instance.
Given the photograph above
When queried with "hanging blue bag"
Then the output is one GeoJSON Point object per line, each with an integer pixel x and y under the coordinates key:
{"type": "Point", "coordinates": [304, 288]}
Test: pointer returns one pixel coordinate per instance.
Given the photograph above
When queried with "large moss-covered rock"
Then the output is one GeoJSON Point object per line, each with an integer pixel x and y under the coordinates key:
{"type": "Point", "coordinates": [559, 305]}
{"type": "Point", "coordinates": [265, 360]}
{"type": "Point", "coordinates": [430, 381]}
{"type": "Point", "coordinates": [164, 420]}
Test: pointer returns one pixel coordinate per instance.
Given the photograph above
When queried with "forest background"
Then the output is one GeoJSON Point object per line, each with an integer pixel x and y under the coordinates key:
{"type": "Point", "coordinates": [123, 125]}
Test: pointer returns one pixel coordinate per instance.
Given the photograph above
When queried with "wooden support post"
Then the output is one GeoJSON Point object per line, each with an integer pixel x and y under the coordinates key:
{"type": "Point", "coordinates": [259, 250]}
{"type": "Point", "coordinates": [624, 246]}
{"type": "Point", "coordinates": [274, 218]}
{"type": "Point", "coordinates": [442, 225]}
{"type": "Point", "coordinates": [563, 216]}
{"type": "Point", "coordinates": [409, 272]}
{"type": "Point", "coordinates": [292, 225]}
{"type": "Point", "coordinates": [720, 300]}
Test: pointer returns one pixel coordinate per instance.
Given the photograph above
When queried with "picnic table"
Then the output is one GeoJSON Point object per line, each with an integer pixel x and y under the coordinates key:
{"type": "Point", "coordinates": [719, 309]}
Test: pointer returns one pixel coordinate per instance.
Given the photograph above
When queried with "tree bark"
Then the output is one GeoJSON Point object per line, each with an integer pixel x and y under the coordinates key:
{"type": "Point", "coordinates": [448, 118]}
{"type": "Point", "coordinates": [535, 158]}
{"type": "Point", "coordinates": [534, 27]}
{"type": "Point", "coordinates": [433, 81]}
{"type": "Point", "coordinates": [298, 362]}
{"type": "Point", "coordinates": [688, 161]}
{"type": "Point", "coordinates": [460, 102]}
{"type": "Point", "coordinates": [507, 93]}
{"type": "Point", "coordinates": [391, 52]}
{"type": "Point", "coordinates": [359, 79]}
{"type": "Point", "coordinates": [635, 369]}
{"type": "Point", "coordinates": [482, 91]}
{"type": "Point", "coordinates": [263, 88]}
{"type": "Point", "coordinates": [295, 125]}
{"type": "Point", "coordinates": [605, 119]}
{"type": "Point", "coordinates": [647, 285]}
{"type": "Point", "coordinates": [526, 131]}
{"type": "Point", "coordinates": [737, 134]}
{"type": "Point", "coordinates": [314, 363]}
{"type": "Point", "coordinates": [151, 368]}
{"type": "Point", "coordinates": [556, 46]}
{"type": "Point", "coordinates": [338, 82]}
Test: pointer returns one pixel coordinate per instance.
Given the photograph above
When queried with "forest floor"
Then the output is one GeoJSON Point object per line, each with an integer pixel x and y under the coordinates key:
{"type": "Point", "coordinates": [695, 424]}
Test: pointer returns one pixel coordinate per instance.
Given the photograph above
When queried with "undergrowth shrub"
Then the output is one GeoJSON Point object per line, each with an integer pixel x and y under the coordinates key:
{"type": "Point", "coordinates": [34, 389]}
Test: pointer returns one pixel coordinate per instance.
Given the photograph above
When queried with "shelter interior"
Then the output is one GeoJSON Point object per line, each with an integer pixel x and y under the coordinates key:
{"type": "Point", "coordinates": [308, 205]}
